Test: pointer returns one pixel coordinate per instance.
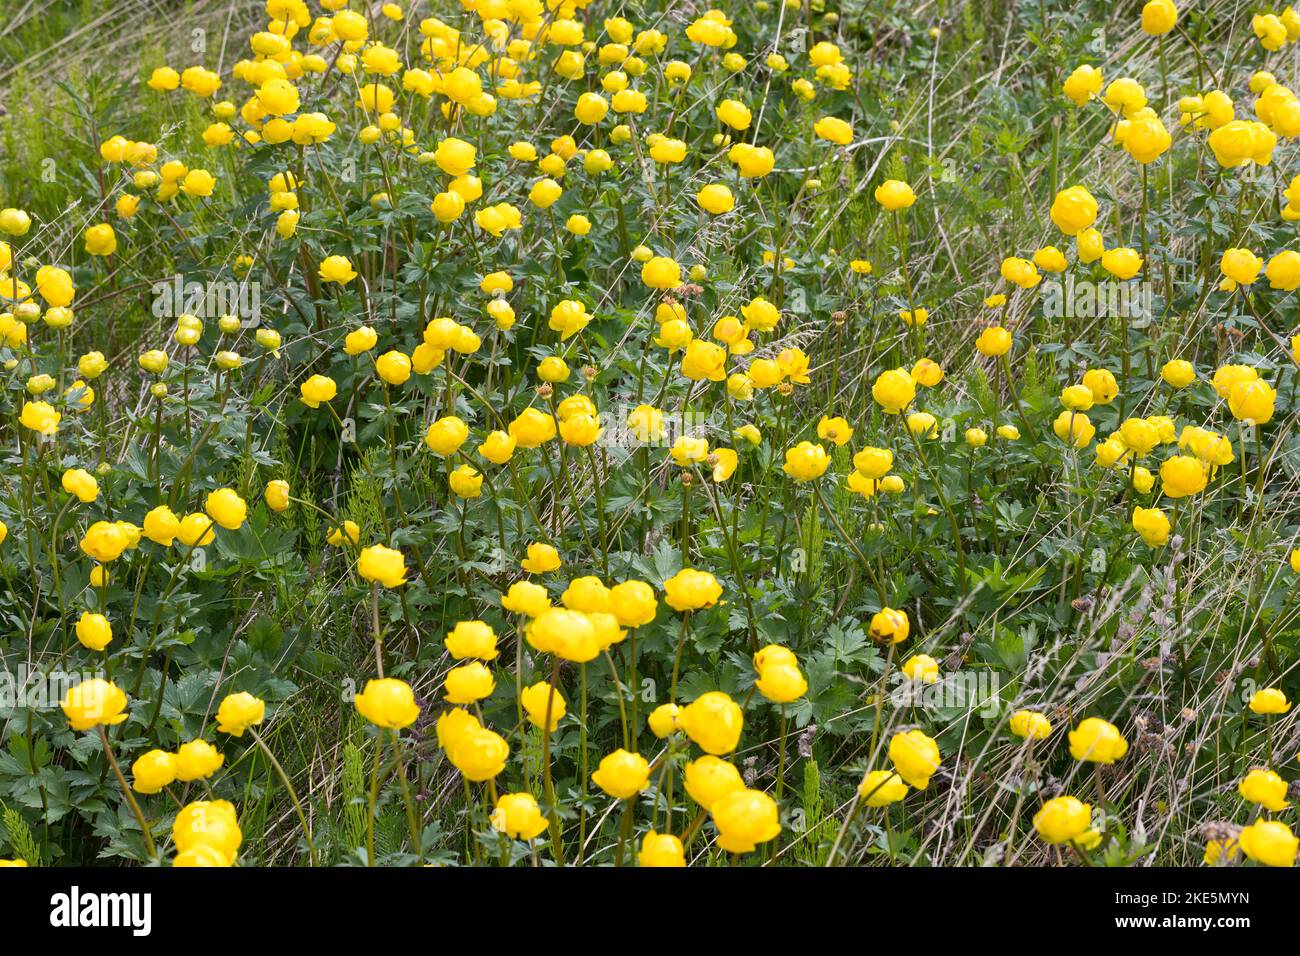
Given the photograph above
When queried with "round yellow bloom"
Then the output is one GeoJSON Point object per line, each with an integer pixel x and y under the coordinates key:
{"type": "Point", "coordinates": [1097, 741]}
{"type": "Point", "coordinates": [915, 756]}
{"type": "Point", "coordinates": [152, 771]}
{"type": "Point", "coordinates": [238, 712]}
{"type": "Point", "coordinates": [661, 850]}
{"type": "Point", "coordinates": [745, 818]}
{"type": "Point", "coordinates": [691, 590]}
{"type": "Point", "coordinates": [622, 775]}
{"type": "Point", "coordinates": [1269, 842]}
{"type": "Point", "coordinates": [1266, 788]}
{"type": "Point", "coordinates": [714, 721]}
{"type": "Point", "coordinates": [1269, 700]}
{"type": "Point", "coordinates": [1030, 725]}
{"type": "Point", "coordinates": [894, 195]}
{"type": "Point", "coordinates": [210, 825]}
{"type": "Point", "coordinates": [382, 565]}
{"type": "Point", "coordinates": [1063, 819]}
{"type": "Point", "coordinates": [540, 701]}
{"type": "Point", "coordinates": [880, 788]}
{"type": "Point", "coordinates": [518, 816]}
{"type": "Point", "coordinates": [387, 703]}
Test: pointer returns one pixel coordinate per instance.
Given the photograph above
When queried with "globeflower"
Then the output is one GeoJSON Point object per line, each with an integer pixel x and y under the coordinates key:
{"type": "Point", "coordinates": [713, 721]}
{"type": "Point", "coordinates": [894, 390]}
{"type": "Point", "coordinates": [1269, 700]}
{"type": "Point", "coordinates": [1266, 788]}
{"type": "Point", "coordinates": [915, 756]}
{"type": "Point", "coordinates": [388, 703]}
{"type": "Point", "coordinates": [238, 712]}
{"type": "Point", "coordinates": [1097, 741]}
{"type": "Point", "coordinates": [1269, 842]}
{"type": "Point", "coordinates": [806, 461]}
{"type": "Point", "coordinates": [1152, 524]}
{"type": "Point", "coordinates": [622, 775]}
{"type": "Point", "coordinates": [894, 195]}
{"type": "Point", "coordinates": [518, 816]}
{"type": "Point", "coordinates": [745, 818]}
{"type": "Point", "coordinates": [94, 703]}
{"type": "Point", "coordinates": [691, 590]}
{"type": "Point", "coordinates": [382, 565]}
{"type": "Point", "coordinates": [1182, 475]}
{"type": "Point", "coordinates": [1063, 819]}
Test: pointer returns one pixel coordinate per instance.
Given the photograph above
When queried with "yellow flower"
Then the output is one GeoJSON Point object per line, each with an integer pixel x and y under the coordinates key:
{"type": "Point", "coordinates": [226, 508]}
{"type": "Point", "coordinates": [915, 756]}
{"type": "Point", "coordinates": [238, 712]}
{"type": "Point", "coordinates": [472, 639]}
{"type": "Point", "coordinates": [834, 130]}
{"type": "Point", "coordinates": [806, 461]}
{"type": "Point", "coordinates": [40, 417]}
{"type": "Point", "coordinates": [710, 778]}
{"type": "Point", "coordinates": [714, 721]}
{"type": "Point", "coordinates": [518, 816]}
{"type": "Point", "coordinates": [894, 390]}
{"type": "Point", "coordinates": [781, 681]}
{"type": "Point", "coordinates": [276, 495]}
{"type": "Point", "coordinates": [479, 754]}
{"type": "Point", "coordinates": [1030, 725]}
{"type": "Point", "coordinates": [466, 482]}
{"type": "Point", "coordinates": [382, 565]}
{"type": "Point", "coordinates": [542, 558]}
{"type": "Point", "coordinates": [1182, 475]}
{"type": "Point", "coordinates": [894, 195]}
{"type": "Point", "coordinates": [152, 771]}
{"type": "Point", "coordinates": [94, 631]}
{"type": "Point", "coordinates": [1252, 402]}
{"type": "Point", "coordinates": [691, 590]}
{"type": "Point", "coordinates": [524, 597]}
{"type": "Point", "coordinates": [922, 668]}
{"type": "Point", "coordinates": [105, 541]}
{"type": "Point", "coordinates": [1152, 525]}
{"type": "Point", "coordinates": [540, 701]}
{"type": "Point", "coordinates": [1269, 700]}
{"type": "Point", "coordinates": [317, 389]}
{"type": "Point", "coordinates": [633, 603]}
{"type": "Point", "coordinates": [565, 633]}
{"type": "Point", "coordinates": [716, 199]}
{"type": "Point", "coordinates": [745, 818]}
{"type": "Point", "coordinates": [387, 703]}
{"type": "Point", "coordinates": [1159, 17]}
{"type": "Point", "coordinates": [1269, 842]}
{"type": "Point", "coordinates": [1074, 427]}
{"type": "Point", "coordinates": [196, 530]}
{"type": "Point", "coordinates": [661, 850]}
{"type": "Point", "coordinates": [468, 683]}
{"type": "Point", "coordinates": [336, 269]}
{"type": "Point", "coordinates": [880, 788]}
{"type": "Point", "coordinates": [1122, 263]}
{"type": "Point", "coordinates": [1074, 210]}
{"type": "Point", "coordinates": [1266, 788]}
{"type": "Point", "coordinates": [1097, 741]}
{"type": "Point", "coordinates": [1083, 84]}
{"type": "Point", "coordinates": [1063, 819]}
{"type": "Point", "coordinates": [666, 719]}
{"type": "Point", "coordinates": [79, 482]}
{"type": "Point", "coordinates": [207, 827]}
{"type": "Point", "coordinates": [445, 436]}
{"type": "Point", "coordinates": [622, 775]}
{"type": "Point", "coordinates": [888, 624]}
{"type": "Point", "coordinates": [197, 760]}
{"type": "Point", "coordinates": [660, 272]}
